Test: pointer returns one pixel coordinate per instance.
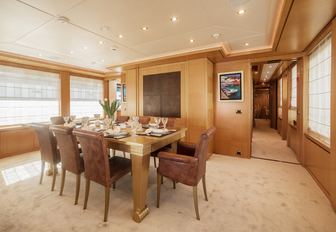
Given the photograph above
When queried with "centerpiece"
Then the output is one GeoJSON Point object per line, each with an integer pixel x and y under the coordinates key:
{"type": "Point", "coordinates": [110, 108]}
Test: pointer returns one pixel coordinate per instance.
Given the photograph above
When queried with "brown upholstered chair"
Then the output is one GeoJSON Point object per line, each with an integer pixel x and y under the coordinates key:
{"type": "Point", "coordinates": [186, 169]}
{"type": "Point", "coordinates": [98, 167]}
{"type": "Point", "coordinates": [48, 148]}
{"type": "Point", "coordinates": [70, 155]}
{"type": "Point", "coordinates": [121, 119]}
{"type": "Point", "coordinates": [144, 120]}
{"type": "Point", "coordinates": [170, 124]}
{"type": "Point", "coordinates": [58, 120]}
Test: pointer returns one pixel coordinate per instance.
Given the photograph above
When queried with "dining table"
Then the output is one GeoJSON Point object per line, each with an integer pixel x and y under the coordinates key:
{"type": "Point", "coordinates": [140, 147]}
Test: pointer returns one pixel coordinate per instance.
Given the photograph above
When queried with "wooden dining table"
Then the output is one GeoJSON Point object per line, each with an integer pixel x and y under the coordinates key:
{"type": "Point", "coordinates": [140, 148]}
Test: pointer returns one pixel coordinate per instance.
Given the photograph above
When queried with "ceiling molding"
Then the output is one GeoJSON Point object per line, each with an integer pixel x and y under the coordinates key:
{"type": "Point", "coordinates": [12, 59]}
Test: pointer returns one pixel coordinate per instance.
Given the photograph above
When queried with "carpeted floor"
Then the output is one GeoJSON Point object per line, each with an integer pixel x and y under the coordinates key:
{"type": "Point", "coordinates": [244, 195]}
{"type": "Point", "coordinates": [267, 143]}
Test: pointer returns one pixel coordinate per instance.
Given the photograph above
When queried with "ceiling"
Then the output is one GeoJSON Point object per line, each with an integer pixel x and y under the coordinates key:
{"type": "Point", "coordinates": [89, 33]}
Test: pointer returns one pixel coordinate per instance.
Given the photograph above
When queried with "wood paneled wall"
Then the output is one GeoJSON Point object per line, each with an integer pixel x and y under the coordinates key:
{"type": "Point", "coordinates": [196, 94]}
{"type": "Point", "coordinates": [234, 131]}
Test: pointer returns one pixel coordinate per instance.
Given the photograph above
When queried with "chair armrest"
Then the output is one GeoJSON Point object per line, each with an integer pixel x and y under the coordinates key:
{"type": "Point", "coordinates": [177, 158]}
{"type": "Point", "coordinates": [186, 148]}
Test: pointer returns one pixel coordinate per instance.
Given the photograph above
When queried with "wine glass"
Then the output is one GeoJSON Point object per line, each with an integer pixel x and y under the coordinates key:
{"type": "Point", "coordinates": [66, 119]}
{"type": "Point", "coordinates": [157, 121]}
{"type": "Point", "coordinates": [72, 118]}
{"type": "Point", "coordinates": [164, 122]}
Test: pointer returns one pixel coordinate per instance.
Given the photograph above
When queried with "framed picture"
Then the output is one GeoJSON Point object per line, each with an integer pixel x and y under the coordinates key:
{"type": "Point", "coordinates": [124, 92]}
{"type": "Point", "coordinates": [230, 86]}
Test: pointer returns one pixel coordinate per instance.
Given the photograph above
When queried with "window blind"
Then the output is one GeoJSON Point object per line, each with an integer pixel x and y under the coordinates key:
{"type": "Point", "coordinates": [85, 94]}
{"type": "Point", "coordinates": [27, 96]}
{"type": "Point", "coordinates": [319, 89]}
{"type": "Point", "coordinates": [294, 87]}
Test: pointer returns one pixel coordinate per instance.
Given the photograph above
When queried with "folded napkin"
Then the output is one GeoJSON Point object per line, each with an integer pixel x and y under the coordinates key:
{"type": "Point", "coordinates": [157, 131]}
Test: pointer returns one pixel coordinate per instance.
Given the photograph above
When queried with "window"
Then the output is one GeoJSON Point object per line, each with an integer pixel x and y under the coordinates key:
{"type": "Point", "coordinates": [27, 96]}
{"type": "Point", "coordinates": [294, 88]}
{"type": "Point", "coordinates": [85, 94]}
{"type": "Point", "coordinates": [319, 89]}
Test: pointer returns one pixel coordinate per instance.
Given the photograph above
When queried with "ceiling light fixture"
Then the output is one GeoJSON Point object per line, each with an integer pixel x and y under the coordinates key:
{"type": "Point", "coordinates": [215, 35]}
{"type": "Point", "coordinates": [120, 36]}
{"type": "Point", "coordinates": [173, 19]}
{"type": "Point", "coordinates": [145, 28]}
{"type": "Point", "coordinates": [192, 40]}
{"type": "Point", "coordinates": [40, 54]}
{"type": "Point", "coordinates": [247, 44]}
{"type": "Point", "coordinates": [241, 11]}
{"type": "Point", "coordinates": [101, 42]}
{"type": "Point", "coordinates": [85, 47]}
{"type": "Point", "coordinates": [113, 49]}
{"type": "Point", "coordinates": [71, 52]}
{"type": "Point", "coordinates": [103, 60]}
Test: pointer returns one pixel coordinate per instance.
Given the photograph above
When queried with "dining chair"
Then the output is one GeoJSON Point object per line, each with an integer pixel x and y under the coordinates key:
{"type": "Point", "coordinates": [144, 120]}
{"type": "Point", "coordinates": [121, 119]}
{"type": "Point", "coordinates": [70, 156]}
{"type": "Point", "coordinates": [48, 149]}
{"type": "Point", "coordinates": [186, 169]}
{"type": "Point", "coordinates": [98, 167]}
{"type": "Point", "coordinates": [170, 124]}
{"type": "Point", "coordinates": [58, 120]}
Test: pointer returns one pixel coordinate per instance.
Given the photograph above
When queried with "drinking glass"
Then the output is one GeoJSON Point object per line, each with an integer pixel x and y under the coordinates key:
{"type": "Point", "coordinates": [164, 122]}
{"type": "Point", "coordinates": [157, 121]}
{"type": "Point", "coordinates": [66, 119]}
{"type": "Point", "coordinates": [72, 118]}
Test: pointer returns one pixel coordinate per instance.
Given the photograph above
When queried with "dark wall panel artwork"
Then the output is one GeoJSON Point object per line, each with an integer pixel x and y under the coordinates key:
{"type": "Point", "coordinates": [162, 95]}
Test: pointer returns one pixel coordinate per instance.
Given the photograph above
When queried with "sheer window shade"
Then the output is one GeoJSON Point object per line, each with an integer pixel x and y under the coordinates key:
{"type": "Point", "coordinates": [319, 89]}
{"type": "Point", "coordinates": [85, 94]}
{"type": "Point", "coordinates": [294, 87]}
{"type": "Point", "coordinates": [27, 96]}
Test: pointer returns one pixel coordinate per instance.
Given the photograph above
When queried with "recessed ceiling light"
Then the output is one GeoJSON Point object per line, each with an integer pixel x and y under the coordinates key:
{"type": "Point", "coordinates": [192, 40]}
{"type": "Point", "coordinates": [256, 72]}
{"type": "Point", "coordinates": [71, 52]}
{"type": "Point", "coordinates": [101, 42]}
{"type": "Point", "coordinates": [85, 47]}
{"type": "Point", "coordinates": [173, 19]}
{"type": "Point", "coordinates": [247, 44]}
{"type": "Point", "coordinates": [40, 54]}
{"type": "Point", "coordinates": [241, 11]}
{"type": "Point", "coordinates": [216, 35]}
{"type": "Point", "coordinates": [103, 60]}
{"type": "Point", "coordinates": [267, 72]}
{"type": "Point", "coordinates": [144, 28]}
{"type": "Point", "coordinates": [120, 36]}
{"type": "Point", "coordinates": [270, 66]}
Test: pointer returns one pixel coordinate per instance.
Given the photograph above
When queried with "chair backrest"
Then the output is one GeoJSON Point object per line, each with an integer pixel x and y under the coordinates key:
{"type": "Point", "coordinates": [202, 151]}
{"type": "Point", "coordinates": [121, 119]}
{"type": "Point", "coordinates": [144, 120]}
{"type": "Point", "coordinates": [58, 120]}
{"type": "Point", "coordinates": [47, 141]}
{"type": "Point", "coordinates": [68, 147]}
{"type": "Point", "coordinates": [96, 161]}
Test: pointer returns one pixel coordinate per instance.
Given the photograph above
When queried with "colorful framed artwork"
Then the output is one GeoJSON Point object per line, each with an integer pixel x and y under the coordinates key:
{"type": "Point", "coordinates": [124, 92]}
{"type": "Point", "coordinates": [230, 86]}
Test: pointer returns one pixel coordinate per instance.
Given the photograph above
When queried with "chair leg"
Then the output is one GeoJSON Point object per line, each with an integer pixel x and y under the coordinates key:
{"type": "Point", "coordinates": [62, 181]}
{"type": "Point", "coordinates": [114, 152]}
{"type": "Point", "coordinates": [87, 190]}
{"type": "Point", "coordinates": [204, 188]}
{"type": "Point", "coordinates": [107, 202]}
{"type": "Point", "coordinates": [159, 179]}
{"type": "Point", "coordinates": [54, 177]}
{"type": "Point", "coordinates": [196, 202]}
{"type": "Point", "coordinates": [154, 161]}
{"type": "Point", "coordinates": [42, 171]}
{"type": "Point", "coordinates": [174, 184]}
{"type": "Point", "coordinates": [124, 154]}
{"type": "Point", "coordinates": [78, 179]}
{"type": "Point", "coordinates": [114, 185]}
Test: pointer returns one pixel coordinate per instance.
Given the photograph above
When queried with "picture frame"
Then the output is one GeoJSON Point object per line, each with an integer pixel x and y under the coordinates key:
{"type": "Point", "coordinates": [230, 86]}
{"type": "Point", "coordinates": [124, 92]}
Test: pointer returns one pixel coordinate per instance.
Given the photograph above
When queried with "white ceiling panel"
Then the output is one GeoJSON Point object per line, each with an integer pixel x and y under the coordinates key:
{"type": "Point", "coordinates": [17, 19]}
{"type": "Point", "coordinates": [30, 27]}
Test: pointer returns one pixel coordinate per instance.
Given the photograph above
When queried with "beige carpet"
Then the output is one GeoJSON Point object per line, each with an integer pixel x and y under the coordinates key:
{"type": "Point", "coordinates": [267, 143]}
{"type": "Point", "coordinates": [244, 195]}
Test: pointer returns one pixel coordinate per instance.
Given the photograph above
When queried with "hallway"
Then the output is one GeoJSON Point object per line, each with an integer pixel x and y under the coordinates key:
{"type": "Point", "coordinates": [267, 144]}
